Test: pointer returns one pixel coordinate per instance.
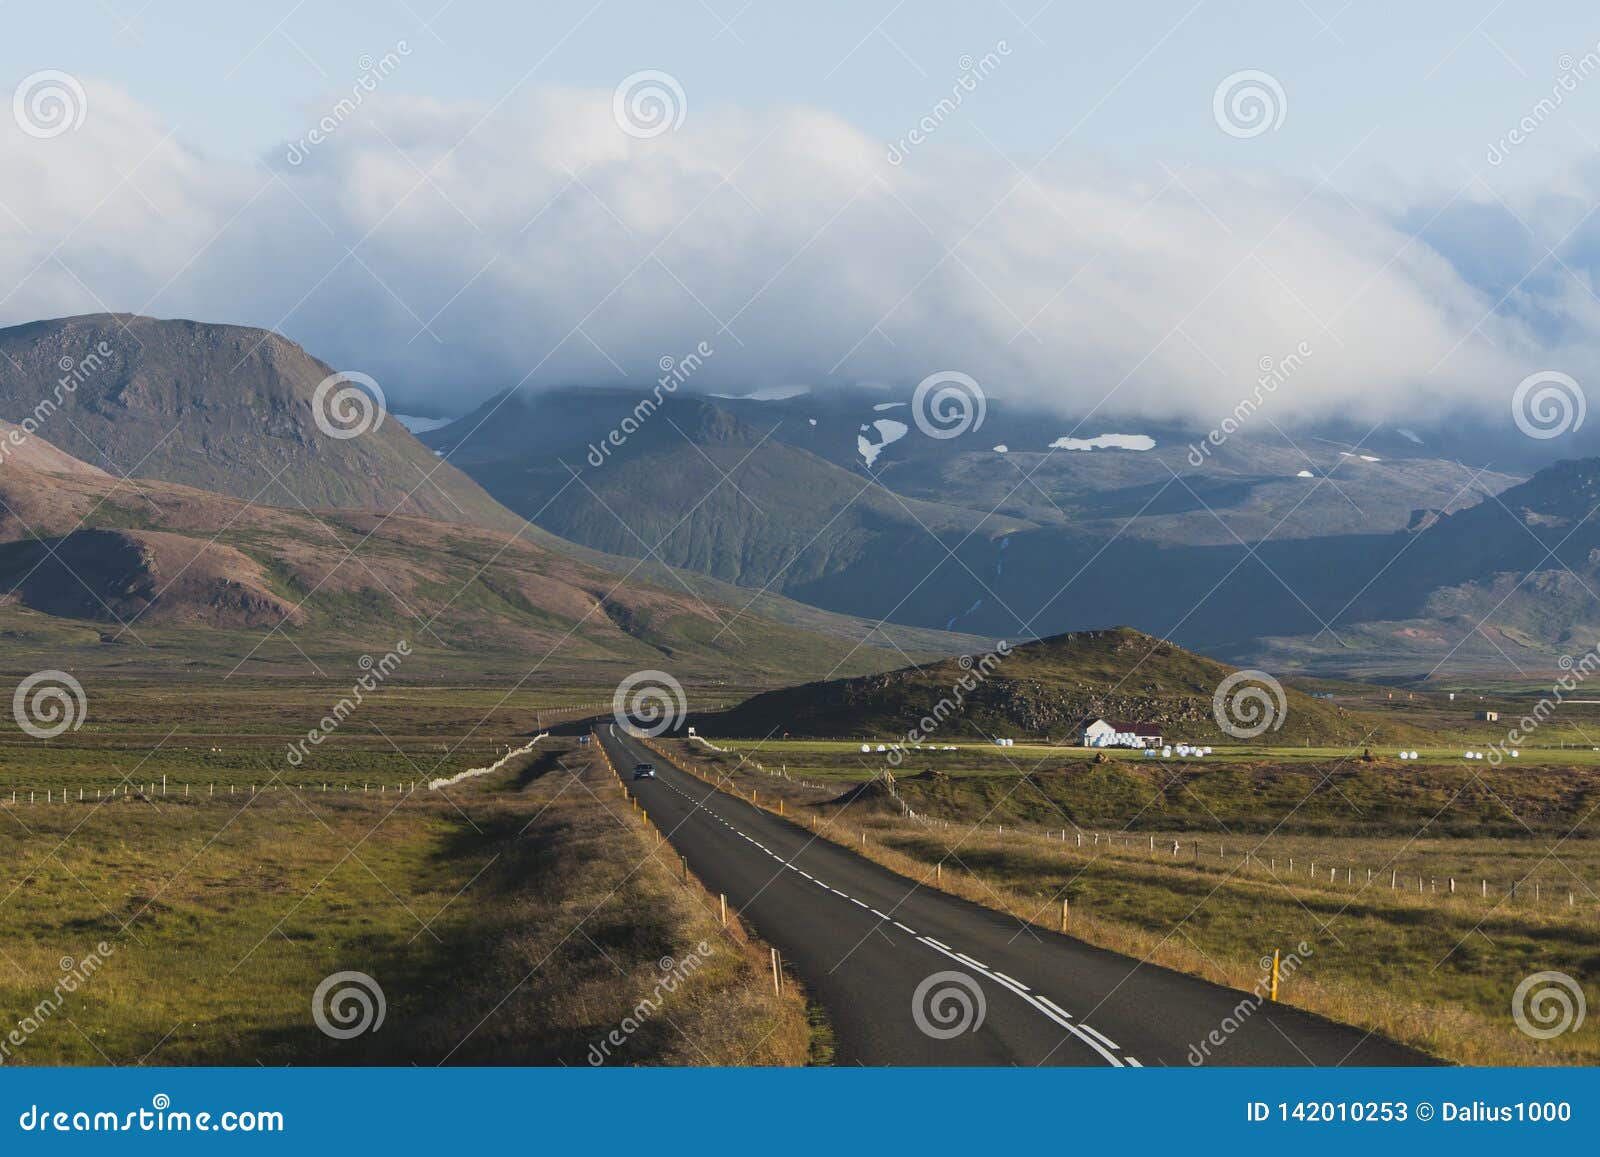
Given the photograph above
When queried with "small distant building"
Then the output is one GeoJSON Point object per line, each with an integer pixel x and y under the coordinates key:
{"type": "Point", "coordinates": [1102, 732]}
{"type": "Point", "coordinates": [1489, 716]}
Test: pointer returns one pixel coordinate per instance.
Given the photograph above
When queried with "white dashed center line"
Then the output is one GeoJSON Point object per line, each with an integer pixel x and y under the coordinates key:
{"type": "Point", "coordinates": [1098, 1041]}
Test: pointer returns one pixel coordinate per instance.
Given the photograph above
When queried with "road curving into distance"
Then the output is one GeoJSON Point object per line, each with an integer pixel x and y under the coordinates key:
{"type": "Point", "coordinates": [910, 975]}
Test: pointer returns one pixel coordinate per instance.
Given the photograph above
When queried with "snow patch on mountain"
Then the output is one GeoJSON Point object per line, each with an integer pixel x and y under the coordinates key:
{"type": "Point", "coordinates": [1106, 442]}
{"type": "Point", "coordinates": [889, 432]}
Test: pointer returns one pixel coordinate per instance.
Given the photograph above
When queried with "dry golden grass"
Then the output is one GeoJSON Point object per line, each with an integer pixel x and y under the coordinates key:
{"type": "Point", "coordinates": [615, 920]}
{"type": "Point", "coordinates": [520, 920]}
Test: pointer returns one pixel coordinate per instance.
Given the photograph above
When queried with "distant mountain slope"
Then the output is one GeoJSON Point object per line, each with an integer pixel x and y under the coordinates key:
{"type": "Point", "coordinates": [1547, 523]}
{"type": "Point", "coordinates": [1041, 690]}
{"type": "Point", "coordinates": [153, 573]}
{"type": "Point", "coordinates": [221, 407]}
{"type": "Point", "coordinates": [695, 487]}
{"type": "Point", "coordinates": [1509, 584]}
{"type": "Point", "coordinates": [142, 575]}
{"type": "Point", "coordinates": [956, 534]}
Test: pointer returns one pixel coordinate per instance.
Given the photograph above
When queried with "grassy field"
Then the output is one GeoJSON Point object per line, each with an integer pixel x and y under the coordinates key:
{"type": "Point", "coordinates": [517, 918]}
{"type": "Point", "coordinates": [522, 917]}
{"type": "Point", "coordinates": [844, 759]}
{"type": "Point", "coordinates": [1232, 791]}
{"type": "Point", "coordinates": [1210, 865]}
{"type": "Point", "coordinates": [197, 732]}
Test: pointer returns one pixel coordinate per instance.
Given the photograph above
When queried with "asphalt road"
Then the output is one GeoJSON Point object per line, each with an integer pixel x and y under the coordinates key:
{"type": "Point", "coordinates": [905, 971]}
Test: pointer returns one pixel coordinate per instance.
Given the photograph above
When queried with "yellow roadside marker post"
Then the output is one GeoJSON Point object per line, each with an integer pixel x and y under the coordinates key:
{"type": "Point", "coordinates": [1274, 975]}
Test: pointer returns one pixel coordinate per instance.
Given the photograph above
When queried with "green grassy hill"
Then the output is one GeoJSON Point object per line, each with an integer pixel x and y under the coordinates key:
{"type": "Point", "coordinates": [1042, 690]}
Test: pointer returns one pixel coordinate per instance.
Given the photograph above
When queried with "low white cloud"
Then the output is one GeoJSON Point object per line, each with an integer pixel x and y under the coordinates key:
{"type": "Point", "coordinates": [453, 250]}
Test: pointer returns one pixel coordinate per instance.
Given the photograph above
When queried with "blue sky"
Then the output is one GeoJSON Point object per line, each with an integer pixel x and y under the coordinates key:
{"type": "Point", "coordinates": [1093, 225]}
{"type": "Point", "coordinates": [1417, 90]}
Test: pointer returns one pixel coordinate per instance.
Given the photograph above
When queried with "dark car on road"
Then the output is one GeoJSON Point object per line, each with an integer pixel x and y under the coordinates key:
{"type": "Point", "coordinates": [644, 771]}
